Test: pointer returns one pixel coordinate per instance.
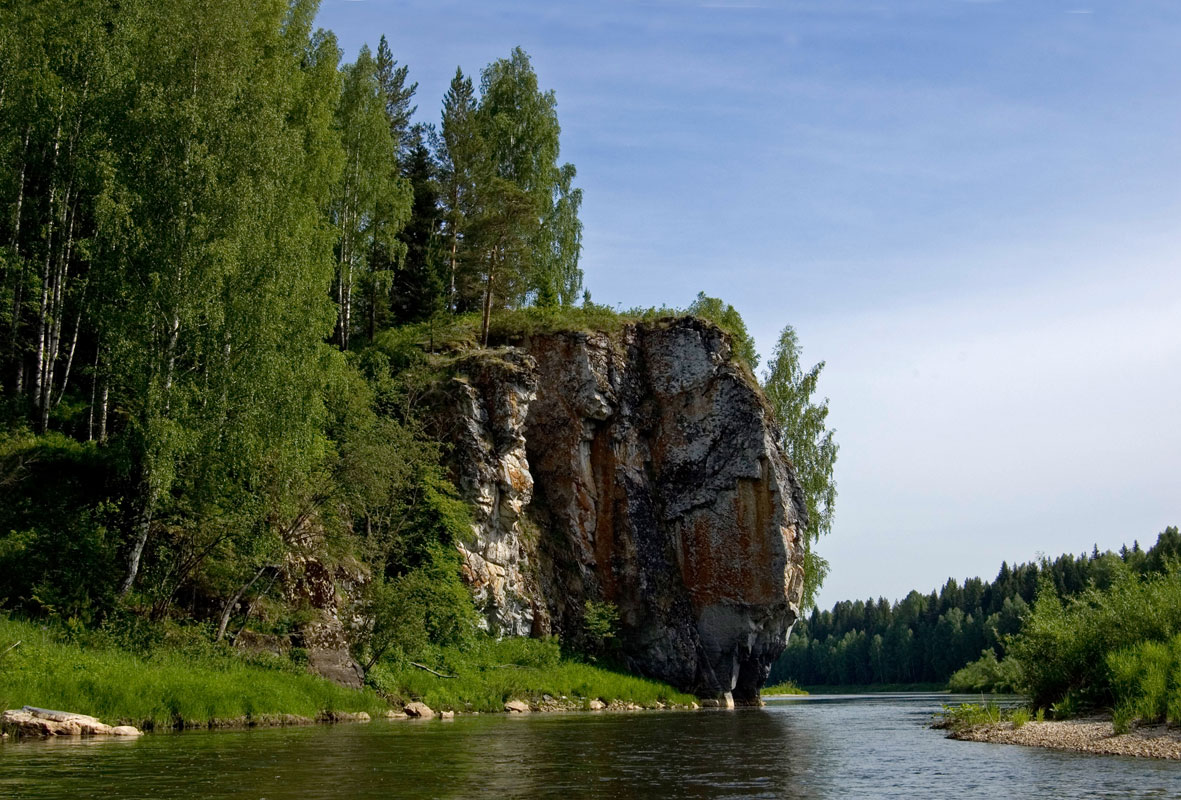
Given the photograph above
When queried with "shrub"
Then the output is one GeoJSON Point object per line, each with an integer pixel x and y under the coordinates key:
{"type": "Point", "coordinates": [986, 674]}
{"type": "Point", "coordinates": [1063, 648]}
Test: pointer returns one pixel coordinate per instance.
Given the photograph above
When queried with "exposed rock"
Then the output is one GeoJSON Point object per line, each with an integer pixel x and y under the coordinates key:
{"type": "Point", "coordinates": [597, 705]}
{"type": "Point", "coordinates": [41, 722]}
{"type": "Point", "coordinates": [323, 589]}
{"type": "Point", "coordinates": [638, 469]}
{"type": "Point", "coordinates": [446, 715]}
{"type": "Point", "coordinates": [517, 707]}
{"type": "Point", "coordinates": [342, 716]}
{"type": "Point", "coordinates": [418, 710]}
{"type": "Point", "coordinates": [253, 642]}
{"type": "Point", "coordinates": [486, 421]}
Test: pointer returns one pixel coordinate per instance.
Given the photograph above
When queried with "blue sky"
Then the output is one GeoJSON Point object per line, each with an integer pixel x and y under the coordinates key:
{"type": "Point", "coordinates": [968, 208]}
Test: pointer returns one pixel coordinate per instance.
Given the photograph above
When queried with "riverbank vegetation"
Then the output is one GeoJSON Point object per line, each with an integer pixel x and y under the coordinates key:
{"type": "Point", "coordinates": [183, 681]}
{"type": "Point", "coordinates": [960, 634]}
{"type": "Point", "coordinates": [787, 687]}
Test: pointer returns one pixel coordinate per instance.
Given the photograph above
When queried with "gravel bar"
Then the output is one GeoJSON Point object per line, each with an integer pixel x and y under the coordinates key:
{"type": "Point", "coordinates": [1089, 735]}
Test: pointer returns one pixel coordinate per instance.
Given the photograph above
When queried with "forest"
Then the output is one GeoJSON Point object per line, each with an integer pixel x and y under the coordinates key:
{"type": "Point", "coordinates": [231, 267]}
{"type": "Point", "coordinates": [208, 222]}
{"type": "Point", "coordinates": [930, 638]}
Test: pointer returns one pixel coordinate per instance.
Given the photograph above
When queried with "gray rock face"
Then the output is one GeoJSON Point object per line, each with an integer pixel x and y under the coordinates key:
{"type": "Point", "coordinates": [638, 469]}
{"type": "Point", "coordinates": [490, 399]}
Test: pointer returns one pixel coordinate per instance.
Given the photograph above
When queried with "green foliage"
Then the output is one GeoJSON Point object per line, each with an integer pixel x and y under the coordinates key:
{"type": "Point", "coordinates": [1064, 646]}
{"type": "Point", "coordinates": [987, 674]}
{"type": "Point", "coordinates": [808, 444]}
{"type": "Point", "coordinates": [928, 637]}
{"type": "Point", "coordinates": [166, 686]}
{"type": "Point", "coordinates": [967, 715]}
{"type": "Point", "coordinates": [600, 627]}
{"type": "Point", "coordinates": [787, 687]}
{"type": "Point", "coordinates": [1146, 682]}
{"type": "Point", "coordinates": [488, 672]}
{"type": "Point", "coordinates": [726, 317]}
{"type": "Point", "coordinates": [58, 526]}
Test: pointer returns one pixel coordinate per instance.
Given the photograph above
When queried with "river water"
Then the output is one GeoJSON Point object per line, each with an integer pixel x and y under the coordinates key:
{"type": "Point", "coordinates": [865, 746]}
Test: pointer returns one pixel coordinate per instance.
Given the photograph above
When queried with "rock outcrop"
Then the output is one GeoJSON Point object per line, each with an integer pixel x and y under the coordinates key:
{"type": "Point", "coordinates": [637, 468]}
{"type": "Point", "coordinates": [44, 723]}
{"type": "Point", "coordinates": [322, 591]}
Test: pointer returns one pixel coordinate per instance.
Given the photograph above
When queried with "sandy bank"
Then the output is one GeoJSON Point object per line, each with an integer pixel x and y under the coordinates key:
{"type": "Point", "coordinates": [1089, 735]}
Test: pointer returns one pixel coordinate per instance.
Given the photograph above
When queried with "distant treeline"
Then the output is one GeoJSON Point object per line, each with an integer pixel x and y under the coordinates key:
{"type": "Point", "coordinates": [924, 638]}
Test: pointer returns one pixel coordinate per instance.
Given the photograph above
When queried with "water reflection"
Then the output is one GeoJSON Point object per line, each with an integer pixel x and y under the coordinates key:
{"type": "Point", "coordinates": [812, 748]}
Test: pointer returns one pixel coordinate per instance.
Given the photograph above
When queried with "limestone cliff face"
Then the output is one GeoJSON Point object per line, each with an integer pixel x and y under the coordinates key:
{"type": "Point", "coordinates": [638, 468]}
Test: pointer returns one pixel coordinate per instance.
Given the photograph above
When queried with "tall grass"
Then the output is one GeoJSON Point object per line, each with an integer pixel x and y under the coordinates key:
{"type": "Point", "coordinates": [1146, 682]}
{"type": "Point", "coordinates": [165, 688]}
{"type": "Point", "coordinates": [492, 672]}
{"type": "Point", "coordinates": [787, 687]}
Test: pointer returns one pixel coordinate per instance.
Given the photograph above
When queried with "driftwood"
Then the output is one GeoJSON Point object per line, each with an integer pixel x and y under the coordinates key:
{"type": "Point", "coordinates": [431, 671]}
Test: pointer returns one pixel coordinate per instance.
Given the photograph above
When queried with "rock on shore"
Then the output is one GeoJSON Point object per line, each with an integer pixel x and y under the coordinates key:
{"type": "Point", "coordinates": [1090, 735]}
{"type": "Point", "coordinates": [43, 723]}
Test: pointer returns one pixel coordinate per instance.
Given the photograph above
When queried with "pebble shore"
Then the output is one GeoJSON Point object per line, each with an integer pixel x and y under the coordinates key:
{"type": "Point", "coordinates": [1089, 735]}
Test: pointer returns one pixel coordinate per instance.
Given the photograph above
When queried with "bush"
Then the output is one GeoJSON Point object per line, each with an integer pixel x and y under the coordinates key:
{"type": "Point", "coordinates": [986, 674]}
{"type": "Point", "coordinates": [58, 527]}
{"type": "Point", "coordinates": [1063, 648]}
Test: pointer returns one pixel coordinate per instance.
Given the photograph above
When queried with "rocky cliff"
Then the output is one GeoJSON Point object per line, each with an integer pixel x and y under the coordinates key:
{"type": "Point", "coordinates": [637, 468]}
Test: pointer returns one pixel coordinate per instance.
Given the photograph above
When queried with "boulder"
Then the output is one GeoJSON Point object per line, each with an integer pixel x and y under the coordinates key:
{"type": "Point", "coordinates": [418, 710]}
{"type": "Point", "coordinates": [44, 723]}
{"type": "Point", "coordinates": [517, 707]}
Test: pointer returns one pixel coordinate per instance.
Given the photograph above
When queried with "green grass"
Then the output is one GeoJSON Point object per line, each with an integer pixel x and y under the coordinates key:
{"type": "Point", "coordinates": [165, 688]}
{"type": "Point", "coordinates": [493, 672]}
{"type": "Point", "coordinates": [1146, 682]}
{"type": "Point", "coordinates": [969, 715]}
{"type": "Point", "coordinates": [787, 687]}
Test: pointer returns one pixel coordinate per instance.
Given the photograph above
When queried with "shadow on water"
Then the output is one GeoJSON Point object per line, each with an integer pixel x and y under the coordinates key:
{"type": "Point", "coordinates": [818, 747]}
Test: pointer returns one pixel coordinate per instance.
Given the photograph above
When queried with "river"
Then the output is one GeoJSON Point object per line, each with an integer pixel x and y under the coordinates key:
{"type": "Point", "coordinates": [863, 746]}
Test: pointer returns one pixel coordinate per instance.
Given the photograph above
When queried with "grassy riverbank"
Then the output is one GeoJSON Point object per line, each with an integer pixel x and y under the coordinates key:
{"type": "Point", "coordinates": [185, 681]}
{"type": "Point", "coordinates": [482, 677]}
{"type": "Point", "coordinates": [179, 685]}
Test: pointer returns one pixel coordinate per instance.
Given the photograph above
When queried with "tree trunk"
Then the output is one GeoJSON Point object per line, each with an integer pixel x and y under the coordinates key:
{"type": "Point", "coordinates": [142, 527]}
{"type": "Point", "coordinates": [43, 308]}
{"type": "Point", "coordinates": [93, 390]}
{"type": "Point", "coordinates": [228, 609]}
{"type": "Point", "coordinates": [488, 301]}
{"type": "Point", "coordinates": [70, 363]}
{"type": "Point", "coordinates": [102, 416]}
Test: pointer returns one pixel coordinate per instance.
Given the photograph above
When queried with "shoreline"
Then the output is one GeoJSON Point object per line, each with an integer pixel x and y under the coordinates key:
{"type": "Point", "coordinates": [1094, 734]}
{"type": "Point", "coordinates": [414, 711]}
